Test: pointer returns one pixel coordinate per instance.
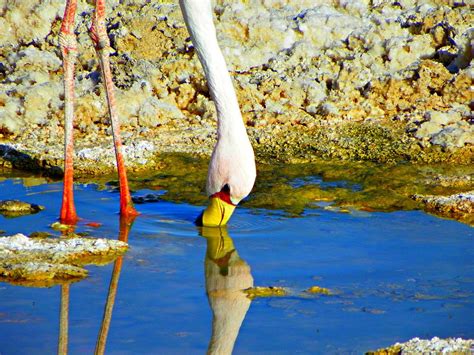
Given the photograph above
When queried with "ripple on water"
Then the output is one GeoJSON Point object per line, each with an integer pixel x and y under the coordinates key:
{"type": "Point", "coordinates": [256, 222]}
{"type": "Point", "coordinates": [179, 218]}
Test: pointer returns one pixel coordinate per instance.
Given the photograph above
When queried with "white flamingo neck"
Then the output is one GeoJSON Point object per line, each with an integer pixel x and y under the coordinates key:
{"type": "Point", "coordinates": [198, 17]}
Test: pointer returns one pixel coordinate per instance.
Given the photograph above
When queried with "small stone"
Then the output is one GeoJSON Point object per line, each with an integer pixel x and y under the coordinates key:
{"type": "Point", "coordinates": [40, 235]}
{"type": "Point", "coordinates": [428, 129]}
{"type": "Point", "coordinates": [318, 290]}
{"type": "Point", "coordinates": [16, 208]}
{"type": "Point", "coordinates": [60, 227]}
{"type": "Point", "coordinates": [443, 118]}
{"type": "Point", "coordinates": [447, 54]}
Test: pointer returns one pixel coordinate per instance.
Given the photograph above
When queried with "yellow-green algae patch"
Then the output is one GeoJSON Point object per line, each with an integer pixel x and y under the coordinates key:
{"type": "Point", "coordinates": [262, 291]}
{"type": "Point", "coordinates": [392, 350]}
{"type": "Point", "coordinates": [39, 234]}
{"type": "Point", "coordinates": [60, 227]}
{"type": "Point", "coordinates": [317, 290]}
{"type": "Point", "coordinates": [346, 186]}
{"type": "Point", "coordinates": [293, 188]}
{"type": "Point", "coordinates": [45, 262]}
{"type": "Point", "coordinates": [16, 208]}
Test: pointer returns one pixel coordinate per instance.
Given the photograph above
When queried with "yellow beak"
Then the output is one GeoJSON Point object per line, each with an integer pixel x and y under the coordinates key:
{"type": "Point", "coordinates": [217, 213]}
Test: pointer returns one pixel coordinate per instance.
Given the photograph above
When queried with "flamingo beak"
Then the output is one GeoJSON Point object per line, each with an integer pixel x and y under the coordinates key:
{"type": "Point", "coordinates": [218, 212]}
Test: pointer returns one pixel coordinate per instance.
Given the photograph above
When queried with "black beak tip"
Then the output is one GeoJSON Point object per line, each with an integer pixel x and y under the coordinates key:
{"type": "Point", "coordinates": [198, 221]}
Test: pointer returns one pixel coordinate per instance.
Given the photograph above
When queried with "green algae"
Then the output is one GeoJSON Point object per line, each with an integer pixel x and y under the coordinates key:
{"type": "Point", "coordinates": [392, 350]}
{"type": "Point", "coordinates": [352, 141]}
{"type": "Point", "coordinates": [16, 208]}
{"type": "Point", "coordinates": [61, 227]}
{"type": "Point", "coordinates": [382, 142]}
{"type": "Point", "coordinates": [338, 185]}
{"type": "Point", "coordinates": [345, 186]}
{"type": "Point", "coordinates": [40, 235]}
{"type": "Point", "coordinates": [318, 290]}
{"type": "Point", "coordinates": [263, 292]}
{"type": "Point", "coordinates": [379, 187]}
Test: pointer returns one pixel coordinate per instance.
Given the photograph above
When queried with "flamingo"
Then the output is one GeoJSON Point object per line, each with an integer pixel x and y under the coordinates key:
{"type": "Point", "coordinates": [231, 172]}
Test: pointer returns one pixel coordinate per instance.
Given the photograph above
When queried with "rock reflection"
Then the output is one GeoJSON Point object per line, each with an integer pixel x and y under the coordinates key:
{"type": "Point", "coordinates": [226, 276]}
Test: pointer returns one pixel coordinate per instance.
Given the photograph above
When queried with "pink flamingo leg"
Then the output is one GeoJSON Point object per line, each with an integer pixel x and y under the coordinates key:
{"type": "Point", "coordinates": [101, 41]}
{"type": "Point", "coordinates": [67, 42]}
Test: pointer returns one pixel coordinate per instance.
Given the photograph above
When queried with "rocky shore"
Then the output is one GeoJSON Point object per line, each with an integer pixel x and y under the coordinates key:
{"type": "Point", "coordinates": [434, 345]}
{"type": "Point", "coordinates": [458, 206]}
{"type": "Point", "coordinates": [357, 80]}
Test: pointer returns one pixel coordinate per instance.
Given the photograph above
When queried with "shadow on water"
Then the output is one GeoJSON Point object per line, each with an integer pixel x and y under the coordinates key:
{"type": "Point", "coordinates": [12, 158]}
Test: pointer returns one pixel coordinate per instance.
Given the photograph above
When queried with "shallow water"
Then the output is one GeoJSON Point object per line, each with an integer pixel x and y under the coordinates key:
{"type": "Point", "coordinates": [393, 276]}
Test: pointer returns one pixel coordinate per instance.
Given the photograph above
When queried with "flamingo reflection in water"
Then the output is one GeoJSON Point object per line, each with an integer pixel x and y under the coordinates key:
{"type": "Point", "coordinates": [226, 276]}
{"type": "Point", "coordinates": [125, 226]}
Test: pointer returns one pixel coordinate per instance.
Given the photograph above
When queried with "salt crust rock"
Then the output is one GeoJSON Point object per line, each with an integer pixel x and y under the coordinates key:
{"type": "Point", "coordinates": [459, 206]}
{"type": "Point", "coordinates": [437, 345]}
{"type": "Point", "coordinates": [446, 129]}
{"type": "Point", "coordinates": [58, 249]}
{"type": "Point", "coordinates": [24, 259]}
{"type": "Point", "coordinates": [434, 345]}
{"type": "Point", "coordinates": [454, 135]}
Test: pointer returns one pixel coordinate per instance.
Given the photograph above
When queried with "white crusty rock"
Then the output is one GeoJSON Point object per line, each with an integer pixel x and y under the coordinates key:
{"type": "Point", "coordinates": [459, 206]}
{"type": "Point", "coordinates": [52, 260]}
{"type": "Point", "coordinates": [436, 345]}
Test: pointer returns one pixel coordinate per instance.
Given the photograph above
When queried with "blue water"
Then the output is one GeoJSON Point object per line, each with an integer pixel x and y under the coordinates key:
{"type": "Point", "coordinates": [394, 276]}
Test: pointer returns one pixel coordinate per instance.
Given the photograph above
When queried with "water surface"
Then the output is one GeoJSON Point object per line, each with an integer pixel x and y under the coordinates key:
{"type": "Point", "coordinates": [393, 276]}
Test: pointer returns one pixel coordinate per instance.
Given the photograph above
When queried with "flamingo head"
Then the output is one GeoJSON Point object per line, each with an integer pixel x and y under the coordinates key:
{"type": "Point", "coordinates": [219, 210]}
{"type": "Point", "coordinates": [230, 179]}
